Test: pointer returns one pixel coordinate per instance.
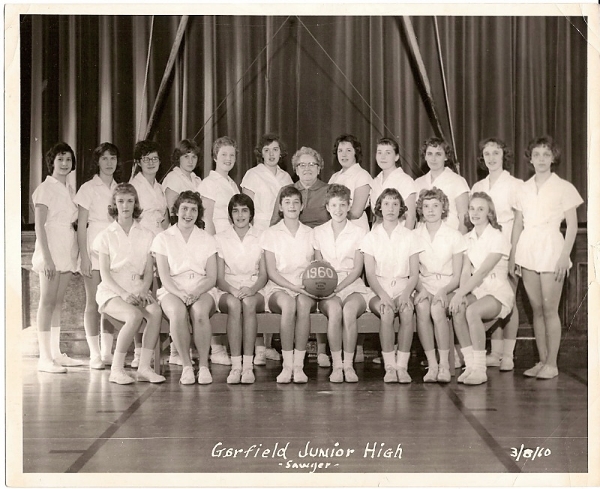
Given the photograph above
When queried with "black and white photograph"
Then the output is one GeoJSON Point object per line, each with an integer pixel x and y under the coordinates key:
{"type": "Point", "coordinates": [321, 244]}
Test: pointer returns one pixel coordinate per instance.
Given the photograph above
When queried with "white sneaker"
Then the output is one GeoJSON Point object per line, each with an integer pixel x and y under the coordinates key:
{"type": "Point", "coordinates": [51, 367]}
{"type": "Point", "coordinates": [323, 360]}
{"type": "Point", "coordinates": [337, 375]}
{"type": "Point", "coordinates": [507, 364]}
{"type": "Point", "coordinates": [273, 354]}
{"type": "Point", "coordinates": [493, 360]}
{"type": "Point", "coordinates": [260, 357]}
{"type": "Point", "coordinates": [390, 374]}
{"type": "Point", "coordinates": [285, 377]}
{"type": "Point", "coordinates": [67, 361]}
{"type": "Point", "coordinates": [175, 359]}
{"type": "Point", "coordinates": [431, 375]}
{"type": "Point", "coordinates": [359, 356]}
{"type": "Point", "coordinates": [377, 360]}
{"type": "Point", "coordinates": [135, 363]}
{"type": "Point", "coordinates": [478, 376]}
{"type": "Point", "coordinates": [96, 363]}
{"type": "Point", "coordinates": [187, 376]}
{"type": "Point", "coordinates": [235, 376]}
{"type": "Point", "coordinates": [350, 374]}
{"type": "Point", "coordinates": [149, 375]}
{"type": "Point", "coordinates": [107, 360]}
{"type": "Point", "coordinates": [533, 371]}
{"type": "Point", "coordinates": [403, 376]}
{"type": "Point", "coordinates": [119, 376]}
{"type": "Point", "coordinates": [462, 377]}
{"type": "Point", "coordinates": [299, 376]}
{"type": "Point", "coordinates": [547, 372]}
{"type": "Point", "coordinates": [220, 358]}
{"type": "Point", "coordinates": [248, 376]}
{"type": "Point", "coordinates": [204, 376]}
{"type": "Point", "coordinates": [443, 375]}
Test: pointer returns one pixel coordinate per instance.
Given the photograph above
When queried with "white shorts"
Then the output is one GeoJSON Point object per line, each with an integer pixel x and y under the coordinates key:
{"type": "Point", "coordinates": [358, 287]}
{"type": "Point", "coordinates": [433, 283]}
{"type": "Point", "coordinates": [131, 282]}
{"type": "Point", "coordinates": [393, 286]}
{"type": "Point", "coordinates": [500, 289]}
{"type": "Point", "coordinates": [271, 288]}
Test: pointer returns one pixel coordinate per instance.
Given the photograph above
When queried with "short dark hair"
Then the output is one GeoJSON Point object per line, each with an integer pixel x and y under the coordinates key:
{"type": "Point", "coordinates": [547, 141]}
{"type": "Point", "coordinates": [507, 154]}
{"type": "Point", "coordinates": [337, 190]}
{"type": "Point", "coordinates": [430, 194]}
{"type": "Point", "coordinates": [124, 188]}
{"type": "Point", "coordinates": [288, 191]}
{"type": "Point", "coordinates": [265, 140]}
{"type": "Point", "coordinates": [141, 149]}
{"type": "Point", "coordinates": [54, 151]}
{"type": "Point", "coordinates": [184, 147]}
{"type": "Point", "coordinates": [349, 138]}
{"type": "Point", "coordinates": [389, 142]}
{"type": "Point", "coordinates": [189, 196]}
{"type": "Point", "coordinates": [390, 192]}
{"type": "Point", "coordinates": [241, 200]}
{"type": "Point", "coordinates": [435, 143]}
{"type": "Point", "coordinates": [106, 147]}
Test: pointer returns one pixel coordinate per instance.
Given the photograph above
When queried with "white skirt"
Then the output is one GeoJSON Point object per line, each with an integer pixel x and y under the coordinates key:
{"type": "Point", "coordinates": [539, 248]}
{"type": "Point", "coordinates": [62, 243]}
{"type": "Point", "coordinates": [499, 288]}
{"type": "Point", "coordinates": [433, 283]}
{"type": "Point", "coordinates": [131, 282]}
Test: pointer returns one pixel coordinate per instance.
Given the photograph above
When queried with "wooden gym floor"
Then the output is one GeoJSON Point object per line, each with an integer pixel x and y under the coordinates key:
{"type": "Point", "coordinates": [81, 423]}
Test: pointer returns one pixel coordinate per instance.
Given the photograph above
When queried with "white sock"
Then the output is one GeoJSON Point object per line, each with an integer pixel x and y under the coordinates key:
{"type": "Point", "coordinates": [336, 356]}
{"type": "Point", "coordinates": [94, 345]}
{"type": "Point", "coordinates": [299, 358]}
{"type": "Point", "coordinates": [106, 344]}
{"type": "Point", "coordinates": [348, 357]}
{"type": "Point", "coordinates": [479, 359]}
{"type": "Point", "coordinates": [509, 348]}
{"type": "Point", "coordinates": [118, 361]}
{"type": "Point", "coordinates": [146, 355]}
{"type": "Point", "coordinates": [55, 342]}
{"type": "Point", "coordinates": [247, 361]}
{"type": "Point", "coordinates": [389, 358]}
{"type": "Point", "coordinates": [260, 349]}
{"type": "Point", "coordinates": [497, 347]}
{"type": "Point", "coordinates": [214, 349]}
{"type": "Point", "coordinates": [444, 358]}
{"type": "Point", "coordinates": [468, 355]}
{"type": "Point", "coordinates": [236, 362]}
{"type": "Point", "coordinates": [431, 359]}
{"type": "Point", "coordinates": [288, 358]}
{"type": "Point", "coordinates": [173, 349]}
{"type": "Point", "coordinates": [44, 345]}
{"type": "Point", "coordinates": [402, 359]}
{"type": "Point", "coordinates": [137, 352]}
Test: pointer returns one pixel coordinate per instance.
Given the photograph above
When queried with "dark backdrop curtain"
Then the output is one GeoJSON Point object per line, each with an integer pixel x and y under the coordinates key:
{"type": "Point", "coordinates": [86, 80]}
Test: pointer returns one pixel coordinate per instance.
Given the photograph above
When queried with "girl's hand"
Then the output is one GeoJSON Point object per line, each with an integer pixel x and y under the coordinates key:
{"type": "Point", "coordinates": [562, 268]}
{"type": "Point", "coordinates": [301, 290]}
{"type": "Point", "coordinates": [148, 298]}
{"type": "Point", "coordinates": [404, 302]}
{"type": "Point", "coordinates": [440, 297]}
{"type": "Point", "coordinates": [86, 267]}
{"type": "Point", "coordinates": [130, 298]}
{"type": "Point", "coordinates": [49, 269]}
{"type": "Point", "coordinates": [423, 295]}
{"type": "Point", "coordinates": [387, 303]}
{"type": "Point", "coordinates": [512, 267]}
{"type": "Point", "coordinates": [189, 299]}
{"type": "Point", "coordinates": [456, 303]}
{"type": "Point", "coordinates": [244, 292]}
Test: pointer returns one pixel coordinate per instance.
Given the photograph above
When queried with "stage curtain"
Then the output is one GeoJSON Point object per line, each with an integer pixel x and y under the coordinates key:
{"type": "Point", "coordinates": [90, 79]}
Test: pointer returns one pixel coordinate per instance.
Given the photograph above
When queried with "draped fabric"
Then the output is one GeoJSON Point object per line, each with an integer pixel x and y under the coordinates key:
{"type": "Point", "coordinates": [88, 79]}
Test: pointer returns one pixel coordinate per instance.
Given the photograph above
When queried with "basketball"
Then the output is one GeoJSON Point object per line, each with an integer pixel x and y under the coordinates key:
{"type": "Point", "coordinates": [319, 279]}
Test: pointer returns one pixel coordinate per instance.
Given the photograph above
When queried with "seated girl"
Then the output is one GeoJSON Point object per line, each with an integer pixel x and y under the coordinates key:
{"type": "Point", "coordinates": [337, 242]}
{"type": "Point", "coordinates": [484, 293]}
{"type": "Point", "coordinates": [288, 247]}
{"type": "Point", "coordinates": [440, 265]}
{"type": "Point", "coordinates": [391, 254]}
{"type": "Point", "coordinates": [187, 266]}
{"type": "Point", "coordinates": [124, 293]}
{"type": "Point", "coordinates": [241, 276]}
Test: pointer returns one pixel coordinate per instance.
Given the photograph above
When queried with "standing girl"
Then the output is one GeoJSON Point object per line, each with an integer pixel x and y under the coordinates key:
{"type": "Point", "coordinates": [392, 176]}
{"type": "Point", "coordinates": [348, 151]}
{"type": "Point", "coordinates": [440, 266]}
{"type": "Point", "coordinates": [241, 275]}
{"type": "Point", "coordinates": [503, 188]}
{"type": "Point", "coordinates": [187, 266]}
{"type": "Point", "coordinates": [262, 183]}
{"type": "Point", "coordinates": [94, 199]}
{"type": "Point", "coordinates": [289, 250]}
{"type": "Point", "coordinates": [55, 254]}
{"type": "Point", "coordinates": [392, 267]}
{"type": "Point", "coordinates": [437, 154]}
{"type": "Point", "coordinates": [484, 293]}
{"type": "Point", "coordinates": [125, 290]}
{"type": "Point", "coordinates": [541, 251]}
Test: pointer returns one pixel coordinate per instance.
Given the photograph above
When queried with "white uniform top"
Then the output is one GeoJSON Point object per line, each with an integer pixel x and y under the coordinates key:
{"type": "Point", "coordinates": [353, 178]}
{"type": "Point", "coordinates": [541, 241]}
{"type": "Point", "coordinates": [61, 237]}
{"type": "Point", "coordinates": [266, 187]}
{"type": "Point", "coordinates": [504, 195]}
{"type": "Point", "coordinates": [127, 254]}
{"type": "Point", "coordinates": [187, 260]}
{"type": "Point", "coordinates": [398, 179]}
{"type": "Point", "coordinates": [178, 181]}
{"type": "Point", "coordinates": [220, 190]}
{"type": "Point", "coordinates": [392, 253]}
{"type": "Point", "coordinates": [241, 257]}
{"type": "Point", "coordinates": [495, 282]}
{"type": "Point", "coordinates": [292, 253]}
{"type": "Point", "coordinates": [451, 184]}
{"type": "Point", "coordinates": [436, 258]}
{"type": "Point", "coordinates": [339, 252]}
{"type": "Point", "coordinates": [152, 201]}
{"type": "Point", "coordinates": [95, 197]}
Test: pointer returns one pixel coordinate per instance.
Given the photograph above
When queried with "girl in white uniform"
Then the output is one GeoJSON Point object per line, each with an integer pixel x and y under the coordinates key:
{"type": "Point", "coordinates": [484, 293]}
{"type": "Point", "coordinates": [440, 266]}
{"type": "Point", "coordinates": [288, 247]}
{"type": "Point", "coordinates": [391, 254]}
{"type": "Point", "coordinates": [391, 176]}
{"type": "Point", "coordinates": [241, 276]}
{"type": "Point", "coordinates": [125, 290]}
{"type": "Point", "coordinates": [348, 151]}
{"type": "Point", "coordinates": [437, 154]}
{"type": "Point", "coordinates": [216, 190]}
{"type": "Point", "coordinates": [186, 258]}
{"type": "Point", "coordinates": [541, 251]}
{"type": "Point", "coordinates": [55, 254]}
{"type": "Point", "coordinates": [94, 198]}
{"type": "Point", "coordinates": [154, 216]}
{"type": "Point", "coordinates": [337, 242]}
{"type": "Point", "coordinates": [503, 188]}
{"type": "Point", "coordinates": [262, 183]}
{"type": "Point", "coordinates": [184, 161]}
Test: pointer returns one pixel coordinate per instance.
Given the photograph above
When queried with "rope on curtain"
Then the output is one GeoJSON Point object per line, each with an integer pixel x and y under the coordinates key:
{"type": "Point", "coordinates": [137, 134]}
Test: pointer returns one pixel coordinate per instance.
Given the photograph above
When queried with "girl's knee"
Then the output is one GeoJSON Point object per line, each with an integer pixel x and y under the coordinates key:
{"type": "Point", "coordinates": [249, 304]}
{"type": "Point", "coordinates": [234, 306]}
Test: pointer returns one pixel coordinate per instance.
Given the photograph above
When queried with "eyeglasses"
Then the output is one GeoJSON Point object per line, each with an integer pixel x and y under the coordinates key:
{"type": "Point", "coordinates": [147, 159]}
{"type": "Point", "coordinates": [306, 165]}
